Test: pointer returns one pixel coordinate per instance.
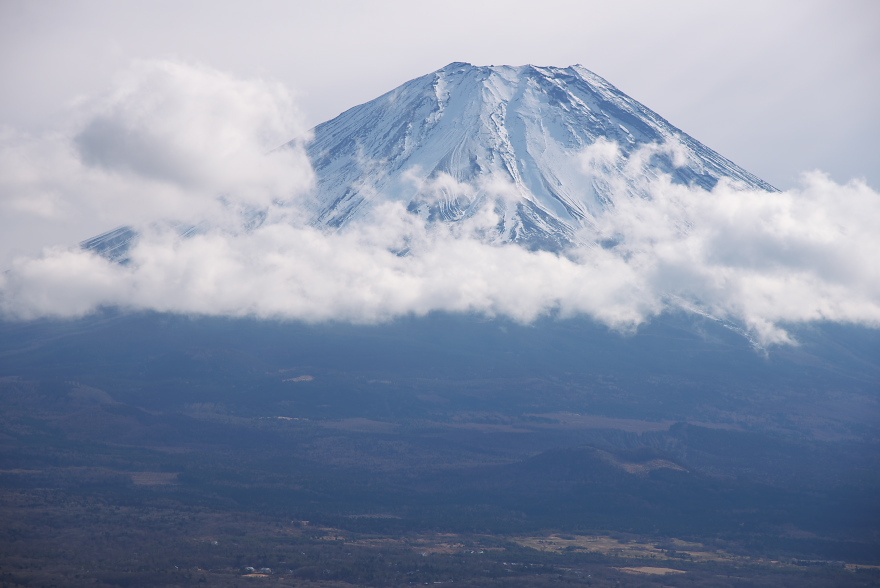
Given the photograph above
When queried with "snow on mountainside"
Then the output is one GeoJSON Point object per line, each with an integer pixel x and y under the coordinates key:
{"type": "Point", "coordinates": [548, 148]}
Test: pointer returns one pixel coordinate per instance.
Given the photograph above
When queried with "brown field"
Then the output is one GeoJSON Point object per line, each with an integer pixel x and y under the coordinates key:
{"type": "Point", "coordinates": [638, 549]}
{"type": "Point", "coordinates": [652, 571]}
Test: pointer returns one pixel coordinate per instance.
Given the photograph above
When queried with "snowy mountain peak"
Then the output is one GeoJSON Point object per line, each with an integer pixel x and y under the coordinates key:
{"type": "Point", "coordinates": [535, 154]}
{"type": "Point", "coordinates": [547, 148]}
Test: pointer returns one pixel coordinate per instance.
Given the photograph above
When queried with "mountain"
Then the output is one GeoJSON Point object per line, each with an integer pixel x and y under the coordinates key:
{"type": "Point", "coordinates": [549, 148]}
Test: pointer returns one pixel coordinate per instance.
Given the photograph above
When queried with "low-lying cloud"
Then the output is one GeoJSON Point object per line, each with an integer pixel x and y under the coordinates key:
{"type": "Point", "coordinates": [183, 143]}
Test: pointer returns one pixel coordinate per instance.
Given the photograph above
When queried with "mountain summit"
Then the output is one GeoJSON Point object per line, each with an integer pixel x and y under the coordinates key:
{"type": "Point", "coordinates": [548, 148]}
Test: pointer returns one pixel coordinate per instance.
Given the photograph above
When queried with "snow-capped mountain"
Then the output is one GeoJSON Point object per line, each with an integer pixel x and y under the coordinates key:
{"type": "Point", "coordinates": [548, 148]}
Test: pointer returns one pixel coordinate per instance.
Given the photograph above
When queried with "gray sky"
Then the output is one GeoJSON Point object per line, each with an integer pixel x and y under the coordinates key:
{"type": "Point", "coordinates": [778, 86]}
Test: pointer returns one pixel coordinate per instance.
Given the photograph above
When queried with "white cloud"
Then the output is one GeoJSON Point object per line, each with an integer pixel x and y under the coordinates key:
{"type": "Point", "coordinates": [170, 138]}
{"type": "Point", "coordinates": [600, 156]}
{"type": "Point", "coordinates": [760, 259]}
{"type": "Point", "coordinates": [165, 142]}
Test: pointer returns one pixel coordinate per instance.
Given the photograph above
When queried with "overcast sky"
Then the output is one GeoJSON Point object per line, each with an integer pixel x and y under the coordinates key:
{"type": "Point", "coordinates": [778, 86]}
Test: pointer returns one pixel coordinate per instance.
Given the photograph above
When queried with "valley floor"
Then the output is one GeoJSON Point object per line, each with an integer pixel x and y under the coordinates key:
{"type": "Point", "coordinates": [51, 539]}
{"type": "Point", "coordinates": [143, 452]}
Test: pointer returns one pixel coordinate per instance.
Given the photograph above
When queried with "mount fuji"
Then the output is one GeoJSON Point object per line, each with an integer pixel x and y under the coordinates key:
{"type": "Point", "coordinates": [547, 148]}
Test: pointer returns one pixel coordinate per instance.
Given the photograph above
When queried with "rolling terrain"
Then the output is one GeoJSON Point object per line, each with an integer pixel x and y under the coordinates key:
{"type": "Point", "coordinates": [124, 429]}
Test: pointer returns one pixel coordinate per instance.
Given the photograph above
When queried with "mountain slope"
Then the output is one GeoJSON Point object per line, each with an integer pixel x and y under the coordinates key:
{"type": "Point", "coordinates": [548, 148]}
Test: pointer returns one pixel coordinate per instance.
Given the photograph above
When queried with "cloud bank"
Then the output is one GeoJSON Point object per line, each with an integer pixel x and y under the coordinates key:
{"type": "Point", "coordinates": [164, 142]}
{"type": "Point", "coordinates": [190, 144]}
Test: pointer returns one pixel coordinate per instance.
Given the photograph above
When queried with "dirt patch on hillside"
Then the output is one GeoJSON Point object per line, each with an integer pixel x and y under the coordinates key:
{"type": "Point", "coordinates": [650, 571]}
